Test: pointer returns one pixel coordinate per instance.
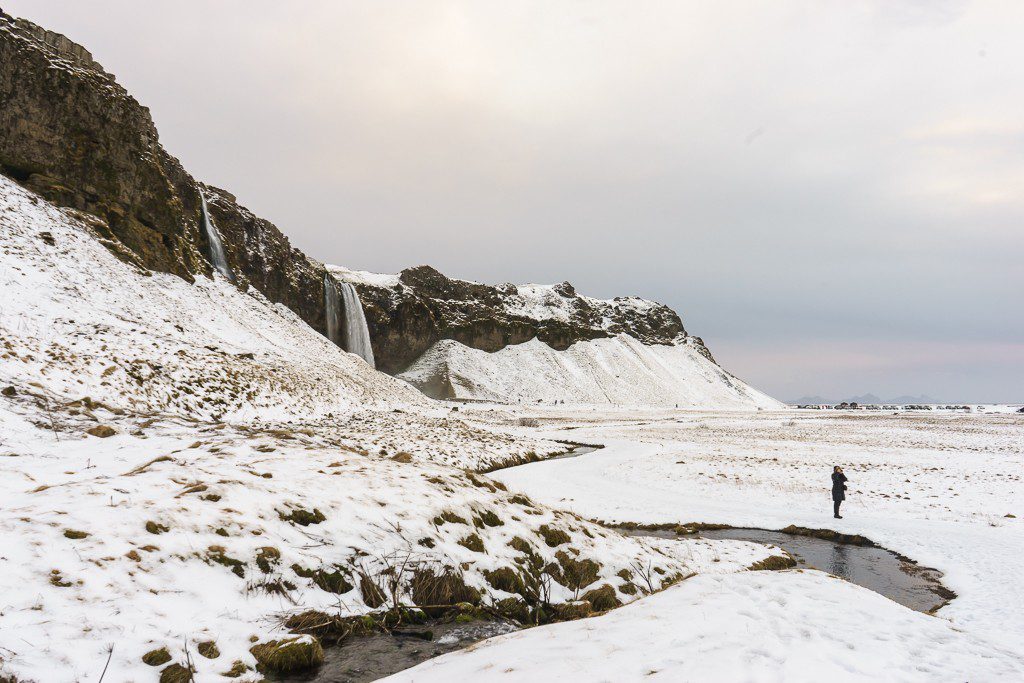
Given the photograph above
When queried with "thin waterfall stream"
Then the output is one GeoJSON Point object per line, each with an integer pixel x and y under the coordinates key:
{"type": "Point", "coordinates": [217, 255]}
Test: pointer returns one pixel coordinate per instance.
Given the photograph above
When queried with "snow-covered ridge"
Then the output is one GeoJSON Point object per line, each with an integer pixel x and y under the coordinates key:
{"type": "Point", "coordinates": [619, 371]}
{"type": "Point", "coordinates": [407, 313]}
{"type": "Point", "coordinates": [558, 302]}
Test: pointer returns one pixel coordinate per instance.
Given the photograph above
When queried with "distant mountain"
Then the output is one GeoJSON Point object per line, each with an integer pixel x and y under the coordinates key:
{"type": "Point", "coordinates": [808, 400]}
{"type": "Point", "coordinates": [866, 399]}
{"type": "Point", "coordinates": [903, 400]}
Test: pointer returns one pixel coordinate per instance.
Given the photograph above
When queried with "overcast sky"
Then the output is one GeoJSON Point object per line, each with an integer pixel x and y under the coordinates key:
{"type": "Point", "coordinates": [830, 193]}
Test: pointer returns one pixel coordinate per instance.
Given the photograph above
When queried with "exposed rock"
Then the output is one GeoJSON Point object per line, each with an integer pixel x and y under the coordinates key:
{"type": "Point", "coordinates": [602, 598]}
{"type": "Point", "coordinates": [407, 315]}
{"type": "Point", "coordinates": [71, 133]}
{"type": "Point", "coordinates": [102, 431]}
{"type": "Point", "coordinates": [157, 657]}
{"type": "Point", "coordinates": [289, 655]}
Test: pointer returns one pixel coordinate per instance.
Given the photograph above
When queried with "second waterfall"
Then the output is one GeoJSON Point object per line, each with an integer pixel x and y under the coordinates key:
{"type": "Point", "coordinates": [346, 323]}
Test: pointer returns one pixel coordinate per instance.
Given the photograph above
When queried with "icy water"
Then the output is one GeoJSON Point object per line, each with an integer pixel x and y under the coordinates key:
{"type": "Point", "coordinates": [877, 569]}
{"type": "Point", "coordinates": [574, 452]}
{"type": "Point", "coordinates": [368, 658]}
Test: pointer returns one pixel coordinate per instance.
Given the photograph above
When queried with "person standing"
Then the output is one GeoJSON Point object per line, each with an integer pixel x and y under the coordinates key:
{"type": "Point", "coordinates": [838, 490]}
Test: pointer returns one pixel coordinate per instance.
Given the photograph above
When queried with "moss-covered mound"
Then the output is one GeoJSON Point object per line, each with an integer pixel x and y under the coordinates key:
{"type": "Point", "coordinates": [288, 655]}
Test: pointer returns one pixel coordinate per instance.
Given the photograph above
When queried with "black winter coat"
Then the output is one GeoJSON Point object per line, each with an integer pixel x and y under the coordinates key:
{"type": "Point", "coordinates": [838, 486]}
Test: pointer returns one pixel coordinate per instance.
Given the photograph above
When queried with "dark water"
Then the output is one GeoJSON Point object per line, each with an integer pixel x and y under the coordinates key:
{"type": "Point", "coordinates": [877, 569]}
{"type": "Point", "coordinates": [574, 452]}
{"type": "Point", "coordinates": [368, 658]}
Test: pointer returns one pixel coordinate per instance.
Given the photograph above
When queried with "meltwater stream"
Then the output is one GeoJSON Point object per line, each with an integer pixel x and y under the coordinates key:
{"type": "Point", "coordinates": [217, 255]}
{"type": "Point", "coordinates": [362, 659]}
{"type": "Point", "coordinates": [877, 569]}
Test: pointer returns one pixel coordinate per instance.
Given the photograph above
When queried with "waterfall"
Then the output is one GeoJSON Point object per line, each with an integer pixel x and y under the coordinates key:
{"type": "Point", "coordinates": [217, 256]}
{"type": "Point", "coordinates": [332, 310]}
{"type": "Point", "coordinates": [357, 334]}
{"type": "Point", "coordinates": [346, 323]}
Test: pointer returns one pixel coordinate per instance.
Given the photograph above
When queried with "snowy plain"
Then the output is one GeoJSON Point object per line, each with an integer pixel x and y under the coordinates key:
{"type": "Point", "coordinates": [944, 490]}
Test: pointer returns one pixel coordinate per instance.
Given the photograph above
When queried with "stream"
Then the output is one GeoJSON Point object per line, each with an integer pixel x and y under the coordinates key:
{"type": "Point", "coordinates": [877, 569]}
{"type": "Point", "coordinates": [369, 658]}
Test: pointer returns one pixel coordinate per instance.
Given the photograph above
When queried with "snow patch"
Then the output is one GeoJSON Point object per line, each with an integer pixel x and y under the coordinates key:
{"type": "Point", "coordinates": [619, 371]}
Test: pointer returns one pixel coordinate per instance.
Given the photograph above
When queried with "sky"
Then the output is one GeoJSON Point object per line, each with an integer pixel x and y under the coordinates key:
{"type": "Point", "coordinates": [830, 193]}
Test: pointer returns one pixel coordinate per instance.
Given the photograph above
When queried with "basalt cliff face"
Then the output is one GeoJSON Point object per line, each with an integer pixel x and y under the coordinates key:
{"type": "Point", "coordinates": [69, 132]}
{"type": "Point", "coordinates": [408, 313]}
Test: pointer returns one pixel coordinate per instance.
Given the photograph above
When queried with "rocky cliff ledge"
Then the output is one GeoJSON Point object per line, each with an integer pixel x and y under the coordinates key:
{"type": "Point", "coordinates": [69, 132]}
{"type": "Point", "coordinates": [409, 312]}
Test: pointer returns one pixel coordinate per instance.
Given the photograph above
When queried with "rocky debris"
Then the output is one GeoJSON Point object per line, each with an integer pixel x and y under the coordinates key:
{"type": "Point", "coordinates": [71, 133]}
{"type": "Point", "coordinates": [423, 306]}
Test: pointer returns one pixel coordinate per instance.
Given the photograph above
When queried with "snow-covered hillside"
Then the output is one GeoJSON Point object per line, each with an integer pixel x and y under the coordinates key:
{"type": "Point", "coordinates": [78, 322]}
{"type": "Point", "coordinates": [185, 466]}
{"type": "Point", "coordinates": [619, 371]}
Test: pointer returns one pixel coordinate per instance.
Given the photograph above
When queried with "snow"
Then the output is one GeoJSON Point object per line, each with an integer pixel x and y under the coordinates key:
{"type": "Point", "coordinates": [618, 371]}
{"type": "Point", "coordinates": [66, 600]}
{"type": "Point", "coordinates": [230, 413]}
{"type": "Point", "coordinates": [544, 302]}
{"type": "Point", "coordinates": [79, 322]}
{"type": "Point", "coordinates": [940, 489]}
{"type": "Point", "coordinates": [212, 450]}
{"type": "Point", "coordinates": [363, 277]}
{"type": "Point", "coordinates": [753, 626]}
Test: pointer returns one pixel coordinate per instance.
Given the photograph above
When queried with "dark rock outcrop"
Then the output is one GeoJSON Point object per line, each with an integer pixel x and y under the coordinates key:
{"type": "Point", "coordinates": [425, 306]}
{"type": "Point", "coordinates": [69, 132]}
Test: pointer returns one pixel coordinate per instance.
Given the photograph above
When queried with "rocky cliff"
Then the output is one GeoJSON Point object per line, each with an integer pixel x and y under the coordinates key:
{"type": "Point", "coordinates": [409, 312]}
{"type": "Point", "coordinates": [69, 132]}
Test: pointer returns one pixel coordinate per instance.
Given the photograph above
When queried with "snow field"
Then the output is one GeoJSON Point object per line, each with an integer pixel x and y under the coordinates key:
{"type": "Point", "coordinates": [618, 371]}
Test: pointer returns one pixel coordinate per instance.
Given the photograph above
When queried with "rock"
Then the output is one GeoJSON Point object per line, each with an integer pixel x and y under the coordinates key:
{"type": "Point", "coordinates": [433, 589]}
{"type": "Point", "coordinates": [773, 563]}
{"type": "Point", "coordinates": [208, 649]}
{"type": "Point", "coordinates": [402, 457]}
{"type": "Point", "coordinates": [504, 579]}
{"type": "Point", "coordinates": [473, 542]}
{"type": "Point", "coordinates": [176, 673]}
{"type": "Point", "coordinates": [602, 598]}
{"type": "Point", "coordinates": [553, 537]}
{"type": "Point", "coordinates": [289, 655]}
{"type": "Point", "coordinates": [567, 611]}
{"type": "Point", "coordinates": [102, 431]}
{"type": "Point", "coordinates": [156, 657]}
{"type": "Point", "coordinates": [9, 391]}
{"type": "Point", "coordinates": [513, 608]}
{"type": "Point", "coordinates": [426, 306]}
{"type": "Point", "coordinates": [71, 133]}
